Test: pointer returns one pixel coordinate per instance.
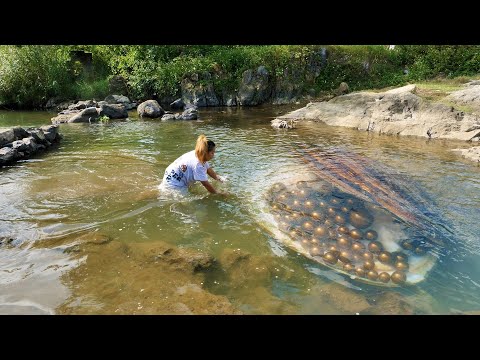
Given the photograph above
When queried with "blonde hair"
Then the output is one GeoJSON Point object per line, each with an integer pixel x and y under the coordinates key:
{"type": "Point", "coordinates": [203, 147]}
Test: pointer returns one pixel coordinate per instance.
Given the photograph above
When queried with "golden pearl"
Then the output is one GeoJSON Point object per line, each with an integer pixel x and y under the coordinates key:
{"type": "Point", "coordinates": [339, 219]}
{"type": "Point", "coordinates": [334, 201]}
{"type": "Point", "coordinates": [343, 230]}
{"type": "Point", "coordinates": [360, 272]}
{"type": "Point", "coordinates": [361, 219]}
{"type": "Point", "coordinates": [333, 249]}
{"type": "Point", "coordinates": [375, 247]}
{"type": "Point", "coordinates": [344, 209]}
{"type": "Point", "coordinates": [399, 277]}
{"type": "Point", "coordinates": [328, 223]}
{"type": "Point", "coordinates": [385, 257]}
{"type": "Point", "coordinates": [308, 203]}
{"type": "Point", "coordinates": [320, 231]}
{"type": "Point", "coordinates": [401, 265]}
{"type": "Point", "coordinates": [368, 265]}
{"type": "Point", "coordinates": [330, 258]}
{"type": "Point", "coordinates": [358, 246]}
{"type": "Point", "coordinates": [419, 251]}
{"type": "Point", "coordinates": [350, 201]}
{"type": "Point", "coordinates": [407, 244]}
{"type": "Point", "coordinates": [348, 267]}
{"type": "Point", "coordinates": [399, 256]}
{"type": "Point", "coordinates": [315, 251]}
{"type": "Point", "coordinates": [372, 275]}
{"type": "Point", "coordinates": [343, 242]}
{"type": "Point", "coordinates": [371, 235]}
{"type": "Point", "coordinates": [316, 215]}
{"type": "Point", "coordinates": [331, 212]}
{"type": "Point", "coordinates": [384, 277]}
{"type": "Point", "coordinates": [344, 257]}
{"type": "Point", "coordinates": [367, 256]}
{"type": "Point", "coordinates": [305, 242]}
{"type": "Point", "coordinates": [322, 203]}
{"type": "Point", "coordinates": [307, 225]}
{"type": "Point", "coordinates": [315, 241]}
{"type": "Point", "coordinates": [355, 234]}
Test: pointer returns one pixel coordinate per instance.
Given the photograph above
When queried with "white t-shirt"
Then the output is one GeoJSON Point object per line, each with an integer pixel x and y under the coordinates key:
{"type": "Point", "coordinates": [185, 170]}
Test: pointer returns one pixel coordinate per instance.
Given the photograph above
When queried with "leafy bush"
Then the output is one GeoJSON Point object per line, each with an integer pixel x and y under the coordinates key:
{"type": "Point", "coordinates": [30, 75]}
{"type": "Point", "coordinates": [86, 90]}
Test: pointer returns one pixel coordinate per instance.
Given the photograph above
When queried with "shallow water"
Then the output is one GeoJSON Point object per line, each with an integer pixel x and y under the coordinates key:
{"type": "Point", "coordinates": [102, 179]}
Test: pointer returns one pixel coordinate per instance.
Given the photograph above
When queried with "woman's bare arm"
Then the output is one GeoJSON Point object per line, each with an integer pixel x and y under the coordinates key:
{"type": "Point", "coordinates": [213, 174]}
{"type": "Point", "coordinates": [209, 187]}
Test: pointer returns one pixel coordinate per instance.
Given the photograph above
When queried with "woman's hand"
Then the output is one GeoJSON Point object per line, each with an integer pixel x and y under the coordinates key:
{"type": "Point", "coordinates": [222, 178]}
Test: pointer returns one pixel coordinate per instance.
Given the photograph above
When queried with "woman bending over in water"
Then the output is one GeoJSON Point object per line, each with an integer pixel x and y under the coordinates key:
{"type": "Point", "coordinates": [192, 166]}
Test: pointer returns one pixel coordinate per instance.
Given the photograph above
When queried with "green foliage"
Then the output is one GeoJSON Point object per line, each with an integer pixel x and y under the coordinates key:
{"type": "Point", "coordinates": [103, 118]}
{"type": "Point", "coordinates": [30, 75]}
{"type": "Point", "coordinates": [428, 61]}
{"type": "Point", "coordinates": [86, 90]}
{"type": "Point", "coordinates": [362, 67]}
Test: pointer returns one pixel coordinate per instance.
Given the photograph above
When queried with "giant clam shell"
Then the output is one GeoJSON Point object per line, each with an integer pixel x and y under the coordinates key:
{"type": "Point", "coordinates": [349, 235]}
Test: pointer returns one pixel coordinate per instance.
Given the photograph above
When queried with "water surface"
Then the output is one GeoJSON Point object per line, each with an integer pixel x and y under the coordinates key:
{"type": "Point", "coordinates": [98, 190]}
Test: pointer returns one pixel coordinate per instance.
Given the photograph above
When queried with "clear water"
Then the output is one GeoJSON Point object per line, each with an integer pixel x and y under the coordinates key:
{"type": "Point", "coordinates": [101, 182]}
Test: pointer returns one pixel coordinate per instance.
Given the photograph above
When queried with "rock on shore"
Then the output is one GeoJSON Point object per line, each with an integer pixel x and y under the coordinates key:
{"type": "Point", "coordinates": [18, 143]}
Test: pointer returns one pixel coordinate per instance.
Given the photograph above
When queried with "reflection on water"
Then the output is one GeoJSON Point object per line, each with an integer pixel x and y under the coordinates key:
{"type": "Point", "coordinates": [92, 207]}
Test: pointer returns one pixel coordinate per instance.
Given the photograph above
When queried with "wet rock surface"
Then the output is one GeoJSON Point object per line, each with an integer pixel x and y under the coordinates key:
{"type": "Point", "coordinates": [18, 143]}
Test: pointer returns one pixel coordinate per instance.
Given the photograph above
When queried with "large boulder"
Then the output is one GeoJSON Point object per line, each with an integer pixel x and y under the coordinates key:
{"type": "Point", "coordinates": [10, 135]}
{"type": "Point", "coordinates": [83, 105]}
{"type": "Point", "coordinates": [288, 87]}
{"type": "Point", "coordinates": [117, 99]}
{"type": "Point", "coordinates": [395, 112]}
{"type": "Point", "coordinates": [199, 91]}
{"type": "Point", "coordinates": [50, 132]}
{"type": "Point", "coordinates": [7, 155]}
{"type": "Point", "coordinates": [151, 109]}
{"type": "Point", "coordinates": [189, 114]}
{"type": "Point", "coordinates": [22, 143]}
{"type": "Point", "coordinates": [468, 97]}
{"type": "Point", "coordinates": [113, 111]}
{"type": "Point", "coordinates": [255, 87]}
{"type": "Point", "coordinates": [85, 116]}
{"type": "Point", "coordinates": [177, 104]}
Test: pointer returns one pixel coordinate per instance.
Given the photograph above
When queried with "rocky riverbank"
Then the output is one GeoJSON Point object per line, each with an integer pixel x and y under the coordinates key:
{"type": "Point", "coordinates": [18, 143]}
{"type": "Point", "coordinates": [399, 111]}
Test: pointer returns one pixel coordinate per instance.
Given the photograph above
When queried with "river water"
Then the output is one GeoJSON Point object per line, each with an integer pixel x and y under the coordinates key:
{"type": "Point", "coordinates": [67, 214]}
